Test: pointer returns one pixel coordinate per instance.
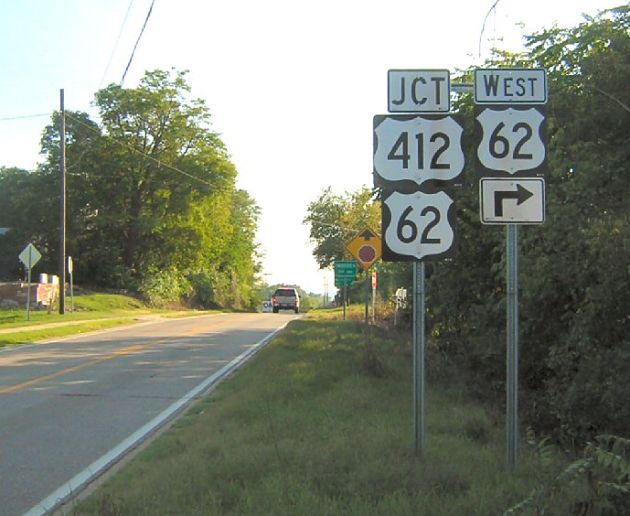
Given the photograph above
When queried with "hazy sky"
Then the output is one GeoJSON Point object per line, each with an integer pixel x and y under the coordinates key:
{"type": "Point", "coordinates": [292, 85]}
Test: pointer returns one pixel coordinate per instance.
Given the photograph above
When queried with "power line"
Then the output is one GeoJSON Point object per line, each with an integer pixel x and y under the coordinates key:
{"type": "Point", "coordinates": [22, 117]}
{"type": "Point", "coordinates": [111, 56]}
{"type": "Point", "coordinates": [130, 147]}
{"type": "Point", "coordinates": [137, 41]}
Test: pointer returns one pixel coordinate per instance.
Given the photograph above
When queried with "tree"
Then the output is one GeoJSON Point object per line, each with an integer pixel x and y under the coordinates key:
{"type": "Point", "coordinates": [28, 210]}
{"type": "Point", "coordinates": [335, 219]}
{"type": "Point", "coordinates": [152, 201]}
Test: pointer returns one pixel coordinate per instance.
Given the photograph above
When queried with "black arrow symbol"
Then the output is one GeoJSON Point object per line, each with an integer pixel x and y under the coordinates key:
{"type": "Point", "coordinates": [367, 235]}
{"type": "Point", "coordinates": [521, 195]}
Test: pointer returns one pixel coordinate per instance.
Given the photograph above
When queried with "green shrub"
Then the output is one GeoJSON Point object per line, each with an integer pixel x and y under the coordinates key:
{"type": "Point", "coordinates": [596, 484]}
{"type": "Point", "coordinates": [160, 287]}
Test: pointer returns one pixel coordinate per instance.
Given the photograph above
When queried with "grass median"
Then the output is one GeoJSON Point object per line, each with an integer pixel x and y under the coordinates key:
{"type": "Point", "coordinates": [320, 422]}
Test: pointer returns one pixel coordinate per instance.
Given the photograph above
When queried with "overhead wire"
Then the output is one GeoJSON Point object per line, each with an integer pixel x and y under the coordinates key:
{"type": "Point", "coordinates": [111, 56]}
{"type": "Point", "coordinates": [21, 117]}
{"type": "Point", "coordinates": [133, 52]}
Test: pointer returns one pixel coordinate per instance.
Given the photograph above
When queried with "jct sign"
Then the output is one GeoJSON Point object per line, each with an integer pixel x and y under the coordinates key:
{"type": "Point", "coordinates": [418, 91]}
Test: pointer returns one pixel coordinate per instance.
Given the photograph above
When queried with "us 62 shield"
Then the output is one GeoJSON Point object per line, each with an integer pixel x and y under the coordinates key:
{"type": "Point", "coordinates": [417, 226]}
{"type": "Point", "coordinates": [417, 148]}
{"type": "Point", "coordinates": [512, 141]}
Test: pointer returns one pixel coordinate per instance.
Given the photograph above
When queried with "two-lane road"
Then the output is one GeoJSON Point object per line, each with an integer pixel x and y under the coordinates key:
{"type": "Point", "coordinates": [70, 407]}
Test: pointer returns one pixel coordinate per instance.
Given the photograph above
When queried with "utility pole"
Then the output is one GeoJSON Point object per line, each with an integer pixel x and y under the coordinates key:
{"type": "Point", "coordinates": [62, 207]}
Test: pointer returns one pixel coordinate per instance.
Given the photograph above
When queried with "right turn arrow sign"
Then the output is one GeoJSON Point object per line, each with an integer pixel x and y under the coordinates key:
{"type": "Point", "coordinates": [512, 201]}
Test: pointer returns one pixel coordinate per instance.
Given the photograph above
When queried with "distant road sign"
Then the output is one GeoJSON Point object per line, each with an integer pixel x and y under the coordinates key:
{"type": "Point", "coordinates": [512, 201]}
{"type": "Point", "coordinates": [417, 148]}
{"type": "Point", "coordinates": [345, 272]}
{"type": "Point", "coordinates": [418, 91]}
{"type": "Point", "coordinates": [510, 86]}
{"type": "Point", "coordinates": [512, 140]}
{"type": "Point", "coordinates": [29, 256]}
{"type": "Point", "coordinates": [365, 247]}
{"type": "Point", "coordinates": [416, 226]}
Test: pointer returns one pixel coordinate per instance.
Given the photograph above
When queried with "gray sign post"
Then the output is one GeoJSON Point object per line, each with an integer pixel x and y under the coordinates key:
{"type": "Point", "coordinates": [419, 346]}
{"type": "Point", "coordinates": [512, 346]}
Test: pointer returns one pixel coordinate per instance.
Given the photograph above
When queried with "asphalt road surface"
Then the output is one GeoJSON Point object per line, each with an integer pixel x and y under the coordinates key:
{"type": "Point", "coordinates": [69, 408]}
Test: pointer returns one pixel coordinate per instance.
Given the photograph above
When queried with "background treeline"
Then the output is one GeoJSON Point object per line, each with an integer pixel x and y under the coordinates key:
{"type": "Point", "coordinates": [152, 203]}
{"type": "Point", "coordinates": [574, 270]}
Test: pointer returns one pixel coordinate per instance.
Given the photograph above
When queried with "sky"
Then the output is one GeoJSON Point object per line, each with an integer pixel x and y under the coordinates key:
{"type": "Point", "coordinates": [292, 85]}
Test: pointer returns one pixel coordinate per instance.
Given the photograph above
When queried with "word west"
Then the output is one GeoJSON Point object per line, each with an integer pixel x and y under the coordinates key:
{"type": "Point", "coordinates": [511, 86]}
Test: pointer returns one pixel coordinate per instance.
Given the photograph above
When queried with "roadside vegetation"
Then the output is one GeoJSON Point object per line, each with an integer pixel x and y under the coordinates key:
{"type": "Point", "coordinates": [320, 423]}
{"type": "Point", "coordinates": [96, 311]}
{"type": "Point", "coordinates": [574, 278]}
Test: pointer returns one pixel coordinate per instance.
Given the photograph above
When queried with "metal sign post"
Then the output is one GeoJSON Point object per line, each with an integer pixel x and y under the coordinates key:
{"type": "Point", "coordinates": [368, 288]}
{"type": "Point", "coordinates": [418, 356]}
{"type": "Point", "coordinates": [374, 286]}
{"type": "Point", "coordinates": [512, 346]}
{"type": "Point", "coordinates": [28, 294]}
{"type": "Point", "coordinates": [70, 270]}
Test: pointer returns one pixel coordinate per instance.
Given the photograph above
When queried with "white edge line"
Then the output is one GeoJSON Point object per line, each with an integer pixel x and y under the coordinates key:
{"type": "Point", "coordinates": [98, 467]}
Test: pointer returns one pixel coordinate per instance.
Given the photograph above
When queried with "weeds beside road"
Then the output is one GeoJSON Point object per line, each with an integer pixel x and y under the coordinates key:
{"type": "Point", "coordinates": [320, 422]}
{"type": "Point", "coordinates": [92, 312]}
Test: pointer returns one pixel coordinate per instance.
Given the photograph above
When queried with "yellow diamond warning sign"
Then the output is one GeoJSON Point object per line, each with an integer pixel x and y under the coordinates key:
{"type": "Point", "coordinates": [365, 247]}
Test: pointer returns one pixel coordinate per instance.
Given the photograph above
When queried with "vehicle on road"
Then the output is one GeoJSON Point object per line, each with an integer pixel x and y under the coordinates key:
{"type": "Point", "coordinates": [285, 298]}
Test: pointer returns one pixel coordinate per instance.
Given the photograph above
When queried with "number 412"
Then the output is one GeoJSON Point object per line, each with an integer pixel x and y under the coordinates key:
{"type": "Point", "coordinates": [400, 150]}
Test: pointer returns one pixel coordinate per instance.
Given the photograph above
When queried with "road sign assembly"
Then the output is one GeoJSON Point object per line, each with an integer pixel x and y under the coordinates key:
{"type": "Point", "coordinates": [512, 144]}
{"type": "Point", "coordinates": [417, 157]}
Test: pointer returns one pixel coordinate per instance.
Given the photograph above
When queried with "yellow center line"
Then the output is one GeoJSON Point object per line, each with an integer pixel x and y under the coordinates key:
{"type": "Point", "coordinates": [121, 352]}
{"type": "Point", "coordinates": [40, 379]}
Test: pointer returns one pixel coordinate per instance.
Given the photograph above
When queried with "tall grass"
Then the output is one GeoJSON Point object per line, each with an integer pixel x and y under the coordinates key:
{"type": "Point", "coordinates": [312, 427]}
{"type": "Point", "coordinates": [89, 306]}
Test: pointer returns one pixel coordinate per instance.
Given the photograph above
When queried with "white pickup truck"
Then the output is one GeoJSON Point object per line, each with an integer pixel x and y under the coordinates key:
{"type": "Point", "coordinates": [285, 299]}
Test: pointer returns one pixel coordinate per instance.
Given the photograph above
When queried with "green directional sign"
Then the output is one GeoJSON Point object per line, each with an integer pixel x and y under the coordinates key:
{"type": "Point", "coordinates": [345, 272]}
